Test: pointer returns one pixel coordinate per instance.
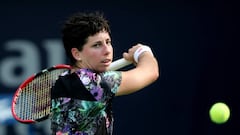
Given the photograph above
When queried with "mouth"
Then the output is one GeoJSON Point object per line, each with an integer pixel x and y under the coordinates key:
{"type": "Point", "coordinates": [106, 62]}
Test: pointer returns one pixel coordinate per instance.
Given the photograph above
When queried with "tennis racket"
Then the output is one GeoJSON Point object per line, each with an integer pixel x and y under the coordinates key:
{"type": "Point", "coordinates": [32, 101]}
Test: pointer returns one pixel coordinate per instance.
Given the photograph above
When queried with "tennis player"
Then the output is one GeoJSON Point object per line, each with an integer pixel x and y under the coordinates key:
{"type": "Point", "coordinates": [82, 98]}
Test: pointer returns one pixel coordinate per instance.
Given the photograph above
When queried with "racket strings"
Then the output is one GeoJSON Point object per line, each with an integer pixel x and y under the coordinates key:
{"type": "Point", "coordinates": [36, 96]}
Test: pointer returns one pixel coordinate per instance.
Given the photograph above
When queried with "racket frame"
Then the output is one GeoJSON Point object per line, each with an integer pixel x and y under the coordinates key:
{"type": "Point", "coordinates": [24, 84]}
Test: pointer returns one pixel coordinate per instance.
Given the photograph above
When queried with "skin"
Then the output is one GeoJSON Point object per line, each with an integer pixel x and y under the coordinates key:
{"type": "Point", "coordinates": [145, 73]}
{"type": "Point", "coordinates": [97, 54]}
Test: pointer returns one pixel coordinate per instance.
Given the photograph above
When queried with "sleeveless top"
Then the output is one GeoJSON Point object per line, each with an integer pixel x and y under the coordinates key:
{"type": "Point", "coordinates": [81, 103]}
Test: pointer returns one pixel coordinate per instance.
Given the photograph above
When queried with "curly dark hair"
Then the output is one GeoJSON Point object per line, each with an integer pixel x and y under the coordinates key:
{"type": "Point", "coordinates": [79, 27]}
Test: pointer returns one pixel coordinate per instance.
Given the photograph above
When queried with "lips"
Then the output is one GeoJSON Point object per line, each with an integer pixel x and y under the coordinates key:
{"type": "Point", "coordinates": [107, 61]}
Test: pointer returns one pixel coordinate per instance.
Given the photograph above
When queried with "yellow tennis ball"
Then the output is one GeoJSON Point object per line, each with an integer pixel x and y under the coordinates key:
{"type": "Point", "coordinates": [219, 113]}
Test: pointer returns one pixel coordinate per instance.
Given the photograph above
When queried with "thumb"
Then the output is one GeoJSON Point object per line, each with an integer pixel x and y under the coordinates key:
{"type": "Point", "coordinates": [126, 56]}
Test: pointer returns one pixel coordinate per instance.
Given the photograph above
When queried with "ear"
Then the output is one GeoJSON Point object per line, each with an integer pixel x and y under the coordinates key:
{"type": "Point", "coordinates": [76, 54]}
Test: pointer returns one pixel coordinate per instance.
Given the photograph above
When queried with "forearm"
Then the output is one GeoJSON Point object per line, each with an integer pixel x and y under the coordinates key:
{"type": "Point", "coordinates": [148, 66]}
{"type": "Point", "coordinates": [145, 72]}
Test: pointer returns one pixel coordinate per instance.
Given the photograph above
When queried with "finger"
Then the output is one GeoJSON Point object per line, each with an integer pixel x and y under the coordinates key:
{"type": "Point", "coordinates": [126, 55]}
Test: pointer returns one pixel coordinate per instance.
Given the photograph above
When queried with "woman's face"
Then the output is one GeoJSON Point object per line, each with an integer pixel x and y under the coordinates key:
{"type": "Point", "coordinates": [97, 53]}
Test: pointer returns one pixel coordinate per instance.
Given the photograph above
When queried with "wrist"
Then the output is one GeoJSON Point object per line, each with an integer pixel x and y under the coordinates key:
{"type": "Point", "coordinates": [140, 51]}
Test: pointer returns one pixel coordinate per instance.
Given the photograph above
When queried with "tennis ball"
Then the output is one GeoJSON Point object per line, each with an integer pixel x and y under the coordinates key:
{"type": "Point", "coordinates": [219, 113]}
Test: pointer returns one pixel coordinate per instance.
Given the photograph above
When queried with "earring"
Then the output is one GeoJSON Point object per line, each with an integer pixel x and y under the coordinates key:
{"type": "Point", "coordinates": [79, 59]}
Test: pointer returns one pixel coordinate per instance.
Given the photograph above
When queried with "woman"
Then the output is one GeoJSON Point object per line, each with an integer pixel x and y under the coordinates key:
{"type": "Point", "coordinates": [82, 98]}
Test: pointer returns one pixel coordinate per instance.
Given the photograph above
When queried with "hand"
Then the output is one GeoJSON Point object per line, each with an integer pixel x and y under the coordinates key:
{"type": "Point", "coordinates": [129, 55]}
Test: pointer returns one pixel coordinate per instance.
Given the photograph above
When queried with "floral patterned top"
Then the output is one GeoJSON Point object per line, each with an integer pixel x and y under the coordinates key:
{"type": "Point", "coordinates": [81, 103]}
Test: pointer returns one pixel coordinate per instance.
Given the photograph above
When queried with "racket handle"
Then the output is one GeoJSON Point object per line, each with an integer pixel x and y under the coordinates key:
{"type": "Point", "coordinates": [120, 63]}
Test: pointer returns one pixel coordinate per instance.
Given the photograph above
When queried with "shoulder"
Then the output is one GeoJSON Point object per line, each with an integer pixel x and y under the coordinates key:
{"type": "Point", "coordinates": [112, 74]}
{"type": "Point", "coordinates": [113, 79]}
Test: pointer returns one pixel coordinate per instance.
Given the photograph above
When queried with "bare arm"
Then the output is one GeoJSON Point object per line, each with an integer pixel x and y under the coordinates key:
{"type": "Point", "coordinates": [145, 73]}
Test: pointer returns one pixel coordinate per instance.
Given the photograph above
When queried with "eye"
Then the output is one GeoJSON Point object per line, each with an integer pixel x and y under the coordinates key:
{"type": "Point", "coordinates": [97, 45]}
{"type": "Point", "coordinates": [108, 42]}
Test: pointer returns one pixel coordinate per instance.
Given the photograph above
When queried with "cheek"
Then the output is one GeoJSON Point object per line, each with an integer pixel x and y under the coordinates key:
{"type": "Point", "coordinates": [94, 56]}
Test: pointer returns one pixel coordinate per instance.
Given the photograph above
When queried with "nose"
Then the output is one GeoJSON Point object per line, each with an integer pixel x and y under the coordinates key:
{"type": "Point", "coordinates": [107, 49]}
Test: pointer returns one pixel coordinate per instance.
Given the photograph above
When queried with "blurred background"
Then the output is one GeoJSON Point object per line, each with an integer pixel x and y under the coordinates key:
{"type": "Point", "coordinates": [195, 42]}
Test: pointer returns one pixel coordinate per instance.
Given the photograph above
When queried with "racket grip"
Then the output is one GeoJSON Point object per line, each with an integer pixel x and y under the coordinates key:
{"type": "Point", "coordinates": [120, 63]}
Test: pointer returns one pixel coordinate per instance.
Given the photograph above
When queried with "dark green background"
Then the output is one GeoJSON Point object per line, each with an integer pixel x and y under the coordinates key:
{"type": "Point", "coordinates": [195, 42]}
